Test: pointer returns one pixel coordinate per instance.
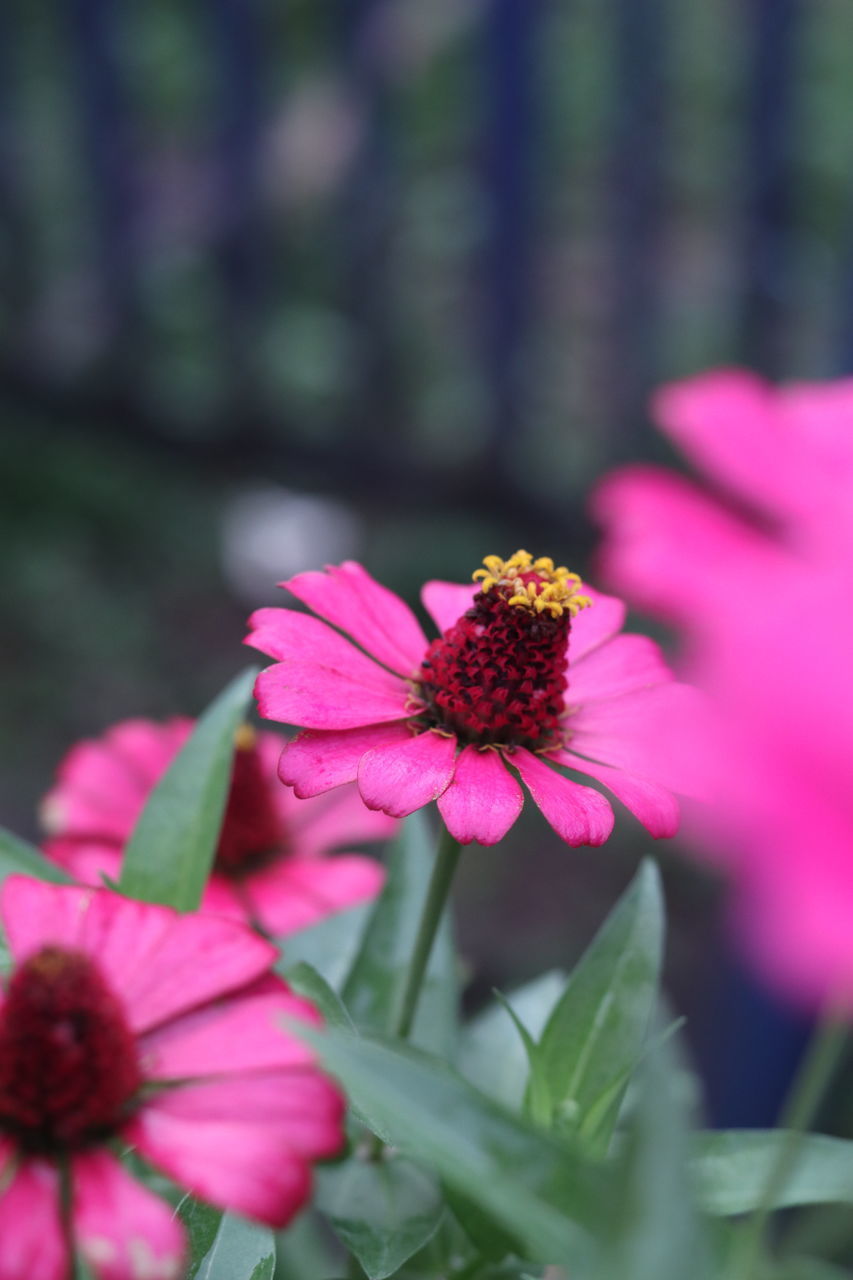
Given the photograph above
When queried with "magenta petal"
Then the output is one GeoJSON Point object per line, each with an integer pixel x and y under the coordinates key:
{"type": "Point", "coordinates": [122, 1230]}
{"type": "Point", "coordinates": [578, 814]}
{"type": "Point", "coordinates": [405, 776]}
{"type": "Point", "coordinates": [618, 666]}
{"type": "Point", "coordinates": [651, 803]}
{"type": "Point", "coordinates": [31, 1241]}
{"type": "Point", "coordinates": [317, 697]}
{"type": "Point", "coordinates": [483, 800]}
{"type": "Point", "coordinates": [377, 619]}
{"type": "Point", "coordinates": [245, 1033]}
{"type": "Point", "coordinates": [447, 601]}
{"type": "Point", "coordinates": [595, 624]}
{"type": "Point", "coordinates": [159, 963]}
{"type": "Point", "coordinates": [87, 861]}
{"type": "Point", "coordinates": [293, 893]}
{"type": "Point", "coordinates": [316, 761]}
{"type": "Point", "coordinates": [332, 821]}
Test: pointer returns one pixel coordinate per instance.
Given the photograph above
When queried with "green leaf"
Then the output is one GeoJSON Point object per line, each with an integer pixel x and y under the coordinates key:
{"type": "Point", "coordinates": [541, 1190]}
{"type": "Point", "coordinates": [330, 946]}
{"type": "Point", "coordinates": [307, 982]}
{"type": "Point", "coordinates": [380, 966]}
{"type": "Point", "coordinates": [807, 1269]}
{"type": "Point", "coordinates": [491, 1055]}
{"type": "Point", "coordinates": [238, 1249]}
{"type": "Point", "coordinates": [596, 1031]}
{"type": "Point", "coordinates": [731, 1170]}
{"type": "Point", "coordinates": [305, 1250]}
{"type": "Point", "coordinates": [202, 1223]}
{"type": "Point", "coordinates": [383, 1210]}
{"type": "Point", "coordinates": [538, 1098]}
{"type": "Point", "coordinates": [19, 855]}
{"type": "Point", "coordinates": [654, 1232]}
{"type": "Point", "coordinates": [170, 853]}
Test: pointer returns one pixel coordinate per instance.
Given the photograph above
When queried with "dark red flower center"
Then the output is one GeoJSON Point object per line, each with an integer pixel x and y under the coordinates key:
{"type": "Point", "coordinates": [498, 675]}
{"type": "Point", "coordinates": [252, 829]}
{"type": "Point", "coordinates": [68, 1061]}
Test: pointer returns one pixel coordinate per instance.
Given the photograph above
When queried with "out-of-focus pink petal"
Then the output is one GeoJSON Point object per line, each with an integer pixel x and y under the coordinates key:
{"type": "Point", "coordinates": [447, 601]}
{"type": "Point", "coordinates": [159, 962]}
{"type": "Point", "coordinates": [315, 762]}
{"type": "Point", "coordinates": [86, 860]}
{"type": "Point", "coordinates": [318, 697]}
{"type": "Point", "coordinates": [222, 897]}
{"type": "Point", "coordinates": [31, 1242]}
{"type": "Point", "coordinates": [293, 893]}
{"type": "Point", "coordinates": [578, 814]}
{"type": "Point", "coordinates": [619, 666]}
{"type": "Point", "coordinates": [595, 624]}
{"type": "Point", "coordinates": [244, 1033]}
{"type": "Point", "coordinates": [405, 776]}
{"type": "Point", "coordinates": [332, 821]}
{"type": "Point", "coordinates": [377, 619]}
{"type": "Point", "coordinates": [243, 1143]}
{"type": "Point", "coordinates": [654, 733]}
{"type": "Point", "coordinates": [121, 1229]}
{"type": "Point", "coordinates": [483, 800]}
{"type": "Point", "coordinates": [652, 804]}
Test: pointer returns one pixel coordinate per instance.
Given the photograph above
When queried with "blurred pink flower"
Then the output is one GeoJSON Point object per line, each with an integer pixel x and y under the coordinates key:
{"type": "Point", "coordinates": [495, 694]}
{"type": "Point", "coordinates": [124, 1023]}
{"type": "Point", "coordinates": [754, 573]}
{"type": "Point", "coordinates": [271, 866]}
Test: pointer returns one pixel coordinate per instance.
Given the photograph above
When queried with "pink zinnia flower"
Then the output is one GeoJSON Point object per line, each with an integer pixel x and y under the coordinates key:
{"type": "Point", "coordinates": [524, 677]}
{"type": "Point", "coordinates": [754, 572]}
{"type": "Point", "coordinates": [271, 865]}
{"type": "Point", "coordinates": [126, 1024]}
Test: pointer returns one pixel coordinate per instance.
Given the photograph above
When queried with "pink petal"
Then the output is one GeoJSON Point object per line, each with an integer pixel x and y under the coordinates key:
{"type": "Point", "coordinates": [243, 1144]}
{"type": "Point", "coordinates": [447, 601]}
{"type": "Point", "coordinates": [652, 804]}
{"type": "Point", "coordinates": [404, 776]}
{"type": "Point", "coordinates": [578, 814]}
{"type": "Point", "coordinates": [317, 761]}
{"type": "Point", "coordinates": [333, 820]}
{"type": "Point", "coordinates": [293, 893]}
{"type": "Point", "coordinates": [222, 897]}
{"type": "Point", "coordinates": [651, 732]}
{"type": "Point", "coordinates": [159, 962]}
{"type": "Point", "coordinates": [317, 697]}
{"type": "Point", "coordinates": [243, 1033]}
{"type": "Point", "coordinates": [618, 666]}
{"type": "Point", "coordinates": [375, 617]}
{"type": "Point", "coordinates": [87, 861]}
{"type": "Point", "coordinates": [31, 1241]}
{"type": "Point", "coordinates": [483, 800]}
{"type": "Point", "coordinates": [595, 624]}
{"type": "Point", "coordinates": [122, 1230]}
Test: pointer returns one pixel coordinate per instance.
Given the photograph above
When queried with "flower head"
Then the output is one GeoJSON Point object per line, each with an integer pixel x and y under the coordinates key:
{"type": "Point", "coordinates": [271, 866]}
{"type": "Point", "coordinates": [126, 1024]}
{"type": "Point", "coordinates": [527, 675]}
{"type": "Point", "coordinates": [753, 569]}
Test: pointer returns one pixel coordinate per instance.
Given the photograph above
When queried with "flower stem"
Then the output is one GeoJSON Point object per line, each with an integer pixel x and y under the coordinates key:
{"type": "Point", "coordinates": [810, 1083]}
{"type": "Point", "coordinates": [446, 858]}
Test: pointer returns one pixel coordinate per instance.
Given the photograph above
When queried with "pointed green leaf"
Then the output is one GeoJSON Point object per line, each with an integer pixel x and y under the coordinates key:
{"type": "Point", "coordinates": [541, 1190]}
{"type": "Point", "coordinates": [238, 1249]}
{"type": "Point", "coordinates": [491, 1055]}
{"type": "Point", "coordinates": [18, 855]}
{"type": "Point", "coordinates": [596, 1031]}
{"type": "Point", "coordinates": [171, 851]}
{"type": "Point", "coordinates": [538, 1098]}
{"type": "Point", "coordinates": [383, 1210]}
{"type": "Point", "coordinates": [379, 968]}
{"type": "Point", "coordinates": [305, 1249]}
{"type": "Point", "coordinates": [307, 982]}
{"type": "Point", "coordinates": [731, 1170]}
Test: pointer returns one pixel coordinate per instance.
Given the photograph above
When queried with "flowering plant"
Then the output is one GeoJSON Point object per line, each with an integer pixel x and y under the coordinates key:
{"type": "Point", "coordinates": [178, 1032]}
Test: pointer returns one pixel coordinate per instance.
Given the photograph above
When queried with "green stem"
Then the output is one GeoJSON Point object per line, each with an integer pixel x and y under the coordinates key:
{"type": "Point", "coordinates": [810, 1084]}
{"type": "Point", "coordinates": [446, 858]}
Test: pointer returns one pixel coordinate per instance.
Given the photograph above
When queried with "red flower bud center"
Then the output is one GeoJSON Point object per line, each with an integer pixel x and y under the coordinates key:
{"type": "Point", "coordinates": [68, 1059]}
{"type": "Point", "coordinates": [498, 675]}
{"type": "Point", "coordinates": [251, 829]}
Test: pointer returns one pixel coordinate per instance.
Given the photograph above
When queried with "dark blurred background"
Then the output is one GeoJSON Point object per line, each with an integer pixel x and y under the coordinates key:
{"type": "Point", "coordinates": [285, 282]}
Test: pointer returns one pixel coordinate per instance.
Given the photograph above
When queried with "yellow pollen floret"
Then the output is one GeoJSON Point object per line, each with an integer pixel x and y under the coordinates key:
{"type": "Point", "coordinates": [245, 738]}
{"type": "Point", "coordinates": [553, 590]}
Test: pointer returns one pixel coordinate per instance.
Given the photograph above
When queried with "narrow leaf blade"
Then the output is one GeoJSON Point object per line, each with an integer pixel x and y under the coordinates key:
{"type": "Point", "coordinates": [17, 855]}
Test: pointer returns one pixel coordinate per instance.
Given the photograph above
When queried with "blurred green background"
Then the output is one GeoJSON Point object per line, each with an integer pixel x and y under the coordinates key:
{"type": "Point", "coordinates": [286, 282]}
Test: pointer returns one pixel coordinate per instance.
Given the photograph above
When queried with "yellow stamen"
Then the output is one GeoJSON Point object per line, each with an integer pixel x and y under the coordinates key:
{"type": "Point", "coordinates": [553, 589]}
{"type": "Point", "coordinates": [245, 738]}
